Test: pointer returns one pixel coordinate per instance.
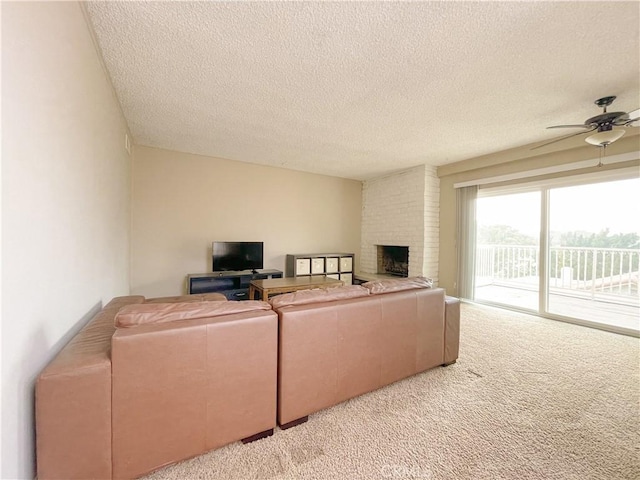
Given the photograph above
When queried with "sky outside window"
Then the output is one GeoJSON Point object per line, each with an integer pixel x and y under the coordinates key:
{"type": "Point", "coordinates": [585, 208]}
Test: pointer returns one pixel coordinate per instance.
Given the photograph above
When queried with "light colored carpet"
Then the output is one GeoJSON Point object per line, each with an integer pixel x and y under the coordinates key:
{"type": "Point", "coordinates": [529, 399]}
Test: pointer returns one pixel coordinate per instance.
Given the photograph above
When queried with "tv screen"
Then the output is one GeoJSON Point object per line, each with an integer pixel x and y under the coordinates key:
{"type": "Point", "coordinates": [237, 256]}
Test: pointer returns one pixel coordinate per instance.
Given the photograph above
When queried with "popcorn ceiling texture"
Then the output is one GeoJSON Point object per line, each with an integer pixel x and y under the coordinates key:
{"type": "Point", "coordinates": [362, 89]}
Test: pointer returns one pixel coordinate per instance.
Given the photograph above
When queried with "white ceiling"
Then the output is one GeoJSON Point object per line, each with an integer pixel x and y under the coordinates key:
{"type": "Point", "coordinates": [360, 89]}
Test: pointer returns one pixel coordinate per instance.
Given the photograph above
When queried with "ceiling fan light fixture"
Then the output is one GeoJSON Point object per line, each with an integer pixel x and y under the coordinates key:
{"type": "Point", "coordinates": [607, 137]}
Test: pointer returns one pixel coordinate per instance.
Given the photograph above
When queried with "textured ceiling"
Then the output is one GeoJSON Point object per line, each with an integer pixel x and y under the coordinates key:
{"type": "Point", "coordinates": [360, 89]}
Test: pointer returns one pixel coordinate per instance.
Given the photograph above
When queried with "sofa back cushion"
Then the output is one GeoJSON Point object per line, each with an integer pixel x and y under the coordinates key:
{"type": "Point", "coordinates": [197, 297]}
{"type": "Point", "coordinates": [150, 313]}
{"type": "Point", "coordinates": [181, 389]}
{"type": "Point", "coordinates": [333, 351]}
{"type": "Point", "coordinates": [395, 285]}
{"type": "Point", "coordinates": [316, 295]}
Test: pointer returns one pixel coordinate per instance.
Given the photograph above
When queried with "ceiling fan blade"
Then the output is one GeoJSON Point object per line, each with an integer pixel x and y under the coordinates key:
{"type": "Point", "coordinates": [629, 122]}
{"type": "Point", "coordinates": [635, 114]}
{"type": "Point", "coordinates": [570, 126]}
{"type": "Point", "coordinates": [563, 138]}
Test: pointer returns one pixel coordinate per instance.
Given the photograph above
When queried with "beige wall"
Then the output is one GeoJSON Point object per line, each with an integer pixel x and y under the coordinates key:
{"type": "Point", "coordinates": [183, 202]}
{"type": "Point", "coordinates": [509, 162]}
{"type": "Point", "coordinates": [65, 202]}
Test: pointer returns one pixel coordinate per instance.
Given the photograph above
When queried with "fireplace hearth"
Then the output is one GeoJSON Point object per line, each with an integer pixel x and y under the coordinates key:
{"type": "Point", "coordinates": [393, 260]}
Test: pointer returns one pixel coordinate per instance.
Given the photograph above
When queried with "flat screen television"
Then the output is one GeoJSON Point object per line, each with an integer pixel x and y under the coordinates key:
{"type": "Point", "coordinates": [237, 256]}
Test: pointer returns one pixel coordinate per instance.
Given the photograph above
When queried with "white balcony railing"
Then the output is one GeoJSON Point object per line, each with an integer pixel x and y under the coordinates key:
{"type": "Point", "coordinates": [611, 271]}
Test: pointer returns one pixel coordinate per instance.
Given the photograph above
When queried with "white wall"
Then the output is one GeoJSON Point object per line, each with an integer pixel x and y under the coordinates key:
{"type": "Point", "coordinates": [183, 202]}
{"type": "Point", "coordinates": [402, 209]}
{"type": "Point", "coordinates": [65, 202]}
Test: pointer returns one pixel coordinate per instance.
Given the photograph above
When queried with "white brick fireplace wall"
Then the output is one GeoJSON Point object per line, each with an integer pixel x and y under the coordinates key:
{"type": "Point", "coordinates": [402, 209]}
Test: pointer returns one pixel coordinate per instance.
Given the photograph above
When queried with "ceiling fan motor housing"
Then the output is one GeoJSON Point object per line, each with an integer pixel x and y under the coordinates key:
{"type": "Point", "coordinates": [606, 121]}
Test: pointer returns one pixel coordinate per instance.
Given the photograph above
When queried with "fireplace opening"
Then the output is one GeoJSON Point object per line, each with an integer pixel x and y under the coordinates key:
{"type": "Point", "coordinates": [393, 260]}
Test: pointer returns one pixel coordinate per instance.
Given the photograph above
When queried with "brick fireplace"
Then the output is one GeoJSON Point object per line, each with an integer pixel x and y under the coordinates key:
{"type": "Point", "coordinates": [402, 210]}
{"type": "Point", "coordinates": [393, 260]}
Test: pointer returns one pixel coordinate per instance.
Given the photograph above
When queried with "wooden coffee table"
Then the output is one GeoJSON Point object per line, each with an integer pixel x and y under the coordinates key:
{"type": "Point", "coordinates": [274, 286]}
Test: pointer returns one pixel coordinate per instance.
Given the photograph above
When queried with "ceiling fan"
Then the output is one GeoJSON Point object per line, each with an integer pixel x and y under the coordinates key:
{"type": "Point", "coordinates": [603, 123]}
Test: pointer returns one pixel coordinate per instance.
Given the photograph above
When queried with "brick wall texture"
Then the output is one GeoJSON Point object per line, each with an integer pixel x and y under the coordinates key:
{"type": "Point", "coordinates": [402, 209]}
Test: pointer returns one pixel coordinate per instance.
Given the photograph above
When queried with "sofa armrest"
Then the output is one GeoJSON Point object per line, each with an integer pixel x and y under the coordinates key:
{"type": "Point", "coordinates": [73, 403]}
{"type": "Point", "coordinates": [451, 329]}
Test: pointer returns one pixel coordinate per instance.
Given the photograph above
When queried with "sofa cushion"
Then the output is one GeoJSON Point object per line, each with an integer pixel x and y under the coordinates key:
{"type": "Point", "coordinates": [118, 302]}
{"type": "Point", "coordinates": [198, 297]}
{"type": "Point", "coordinates": [394, 285]}
{"type": "Point", "coordinates": [316, 295]}
{"type": "Point", "coordinates": [150, 313]}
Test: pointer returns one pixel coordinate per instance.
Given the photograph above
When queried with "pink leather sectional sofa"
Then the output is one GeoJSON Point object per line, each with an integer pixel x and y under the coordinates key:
{"type": "Point", "coordinates": [340, 343]}
{"type": "Point", "coordinates": [148, 383]}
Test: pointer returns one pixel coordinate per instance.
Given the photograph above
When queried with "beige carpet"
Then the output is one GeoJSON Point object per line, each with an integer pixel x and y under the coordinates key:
{"type": "Point", "coordinates": [529, 398]}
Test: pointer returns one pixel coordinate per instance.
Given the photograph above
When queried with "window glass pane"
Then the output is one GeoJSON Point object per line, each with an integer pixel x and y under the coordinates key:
{"type": "Point", "coordinates": [507, 250]}
{"type": "Point", "coordinates": [594, 249]}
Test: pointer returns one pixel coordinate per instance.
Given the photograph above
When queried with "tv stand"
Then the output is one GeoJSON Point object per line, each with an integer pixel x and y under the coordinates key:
{"type": "Point", "coordinates": [232, 284]}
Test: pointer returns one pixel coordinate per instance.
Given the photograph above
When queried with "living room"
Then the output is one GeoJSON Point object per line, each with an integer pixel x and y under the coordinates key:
{"type": "Point", "coordinates": [91, 209]}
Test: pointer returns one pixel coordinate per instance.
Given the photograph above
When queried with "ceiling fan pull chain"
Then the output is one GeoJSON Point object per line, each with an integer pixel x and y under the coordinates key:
{"type": "Point", "coordinates": [602, 154]}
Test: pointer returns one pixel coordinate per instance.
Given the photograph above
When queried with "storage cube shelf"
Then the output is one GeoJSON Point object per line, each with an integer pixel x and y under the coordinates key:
{"type": "Point", "coordinates": [303, 266]}
{"type": "Point", "coordinates": [346, 264]}
{"type": "Point", "coordinates": [332, 265]}
{"type": "Point", "coordinates": [317, 265]}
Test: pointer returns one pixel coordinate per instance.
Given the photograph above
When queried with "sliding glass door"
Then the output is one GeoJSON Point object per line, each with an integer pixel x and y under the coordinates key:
{"type": "Point", "coordinates": [564, 251]}
{"type": "Point", "coordinates": [508, 250]}
{"type": "Point", "coordinates": [594, 250]}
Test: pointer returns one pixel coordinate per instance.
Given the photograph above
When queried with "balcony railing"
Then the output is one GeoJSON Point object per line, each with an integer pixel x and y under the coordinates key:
{"type": "Point", "coordinates": [611, 271]}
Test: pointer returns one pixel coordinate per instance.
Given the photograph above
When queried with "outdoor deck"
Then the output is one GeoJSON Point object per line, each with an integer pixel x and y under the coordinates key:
{"type": "Point", "coordinates": [598, 285]}
{"type": "Point", "coordinates": [604, 309]}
